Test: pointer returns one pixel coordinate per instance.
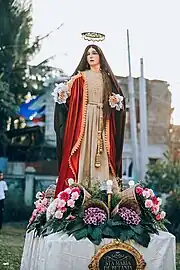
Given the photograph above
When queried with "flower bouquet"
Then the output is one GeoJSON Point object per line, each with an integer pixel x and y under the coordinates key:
{"type": "Point", "coordinates": [64, 209]}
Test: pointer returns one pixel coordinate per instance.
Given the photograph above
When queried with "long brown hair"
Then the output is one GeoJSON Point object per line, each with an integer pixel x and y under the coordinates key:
{"type": "Point", "coordinates": [110, 83]}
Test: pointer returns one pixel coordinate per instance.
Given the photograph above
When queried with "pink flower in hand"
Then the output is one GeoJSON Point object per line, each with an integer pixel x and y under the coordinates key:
{"type": "Point", "coordinates": [148, 203]}
{"type": "Point", "coordinates": [70, 203]}
{"type": "Point", "coordinates": [75, 195]}
{"type": "Point", "coordinates": [58, 214]}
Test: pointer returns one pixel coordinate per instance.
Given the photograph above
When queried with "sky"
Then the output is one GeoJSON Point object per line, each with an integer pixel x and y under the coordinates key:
{"type": "Point", "coordinates": [154, 35]}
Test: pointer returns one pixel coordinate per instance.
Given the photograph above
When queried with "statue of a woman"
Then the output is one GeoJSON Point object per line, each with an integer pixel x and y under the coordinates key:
{"type": "Point", "coordinates": [89, 123]}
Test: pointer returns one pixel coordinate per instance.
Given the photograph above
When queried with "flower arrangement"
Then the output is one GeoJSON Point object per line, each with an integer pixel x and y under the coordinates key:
{"type": "Point", "coordinates": [150, 204]}
{"type": "Point", "coordinates": [136, 213]}
{"type": "Point", "coordinates": [38, 217]}
{"type": "Point", "coordinates": [65, 202]}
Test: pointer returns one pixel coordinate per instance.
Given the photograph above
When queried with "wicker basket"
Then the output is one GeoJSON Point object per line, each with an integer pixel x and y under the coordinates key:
{"type": "Point", "coordinates": [50, 192]}
{"type": "Point", "coordinates": [86, 194]}
{"type": "Point", "coordinates": [97, 203]}
{"type": "Point", "coordinates": [128, 199]}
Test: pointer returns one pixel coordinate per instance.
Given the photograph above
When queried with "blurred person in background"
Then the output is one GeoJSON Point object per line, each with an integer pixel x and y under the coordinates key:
{"type": "Point", "coordinates": [3, 190]}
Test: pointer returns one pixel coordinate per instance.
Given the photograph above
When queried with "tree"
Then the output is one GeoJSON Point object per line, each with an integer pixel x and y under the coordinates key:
{"type": "Point", "coordinates": [15, 47]}
{"type": "Point", "coordinates": [164, 176]}
{"type": "Point", "coordinates": [8, 109]}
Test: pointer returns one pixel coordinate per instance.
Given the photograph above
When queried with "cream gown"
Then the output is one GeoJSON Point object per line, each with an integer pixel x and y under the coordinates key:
{"type": "Point", "coordinates": [88, 173]}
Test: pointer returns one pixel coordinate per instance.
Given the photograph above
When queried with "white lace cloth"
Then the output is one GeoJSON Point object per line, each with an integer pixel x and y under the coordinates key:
{"type": "Point", "coordinates": [60, 252]}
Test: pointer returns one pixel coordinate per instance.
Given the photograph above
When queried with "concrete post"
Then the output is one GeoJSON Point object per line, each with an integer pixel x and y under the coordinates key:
{"type": "Point", "coordinates": [29, 186]}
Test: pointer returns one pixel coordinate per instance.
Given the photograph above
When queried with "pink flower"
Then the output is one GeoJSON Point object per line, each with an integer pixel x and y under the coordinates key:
{"type": "Point", "coordinates": [70, 217]}
{"type": "Point", "coordinates": [68, 190]}
{"type": "Point", "coordinates": [155, 209]}
{"type": "Point", "coordinates": [64, 196]}
{"type": "Point", "coordinates": [76, 189]}
{"type": "Point", "coordinates": [58, 214]}
{"type": "Point", "coordinates": [44, 201]}
{"type": "Point", "coordinates": [162, 214]}
{"type": "Point", "coordinates": [146, 193]}
{"type": "Point", "coordinates": [158, 217]}
{"type": "Point", "coordinates": [75, 195]}
{"type": "Point", "coordinates": [61, 203]}
{"type": "Point", "coordinates": [70, 203]}
{"type": "Point", "coordinates": [151, 192]}
{"type": "Point", "coordinates": [63, 209]}
{"type": "Point", "coordinates": [139, 190]}
{"type": "Point", "coordinates": [148, 203]}
{"type": "Point", "coordinates": [154, 200]}
{"type": "Point", "coordinates": [34, 213]}
{"type": "Point", "coordinates": [39, 205]}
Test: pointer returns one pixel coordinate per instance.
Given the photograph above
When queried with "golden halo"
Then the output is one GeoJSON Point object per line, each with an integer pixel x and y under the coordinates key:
{"type": "Point", "coordinates": [93, 36]}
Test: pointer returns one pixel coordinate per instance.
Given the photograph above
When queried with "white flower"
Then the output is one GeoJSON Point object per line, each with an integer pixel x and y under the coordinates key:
{"type": "Point", "coordinates": [60, 89]}
{"type": "Point", "coordinates": [162, 214]}
{"type": "Point", "coordinates": [39, 195]}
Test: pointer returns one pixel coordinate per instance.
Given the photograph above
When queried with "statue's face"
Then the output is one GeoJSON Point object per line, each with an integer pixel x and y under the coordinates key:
{"type": "Point", "coordinates": [93, 57]}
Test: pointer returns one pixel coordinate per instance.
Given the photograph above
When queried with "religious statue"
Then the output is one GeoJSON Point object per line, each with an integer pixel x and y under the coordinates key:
{"type": "Point", "coordinates": [89, 123]}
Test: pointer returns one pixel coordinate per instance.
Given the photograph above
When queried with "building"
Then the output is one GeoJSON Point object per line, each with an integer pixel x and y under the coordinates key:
{"type": "Point", "coordinates": [158, 120]}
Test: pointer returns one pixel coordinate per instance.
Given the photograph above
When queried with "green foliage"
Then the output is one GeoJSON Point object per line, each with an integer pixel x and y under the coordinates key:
{"type": "Point", "coordinates": [163, 176]}
{"type": "Point", "coordinates": [172, 208]}
{"type": "Point", "coordinates": [15, 47]}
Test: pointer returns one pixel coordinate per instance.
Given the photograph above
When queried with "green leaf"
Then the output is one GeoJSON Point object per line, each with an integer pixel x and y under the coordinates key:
{"type": "Point", "coordinates": [96, 233]}
{"type": "Point", "coordinates": [81, 233]}
{"type": "Point", "coordinates": [142, 239]}
{"type": "Point", "coordinates": [138, 229]}
{"type": "Point", "coordinates": [108, 232]}
{"type": "Point", "coordinates": [127, 235]}
{"type": "Point", "coordinates": [75, 227]}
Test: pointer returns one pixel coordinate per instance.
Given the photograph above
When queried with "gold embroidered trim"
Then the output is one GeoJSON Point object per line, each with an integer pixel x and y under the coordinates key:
{"type": "Point", "coordinates": [107, 143]}
{"type": "Point", "coordinates": [83, 121]}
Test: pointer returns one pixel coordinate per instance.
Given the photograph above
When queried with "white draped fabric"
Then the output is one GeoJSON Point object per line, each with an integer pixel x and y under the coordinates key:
{"type": "Point", "coordinates": [60, 252]}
